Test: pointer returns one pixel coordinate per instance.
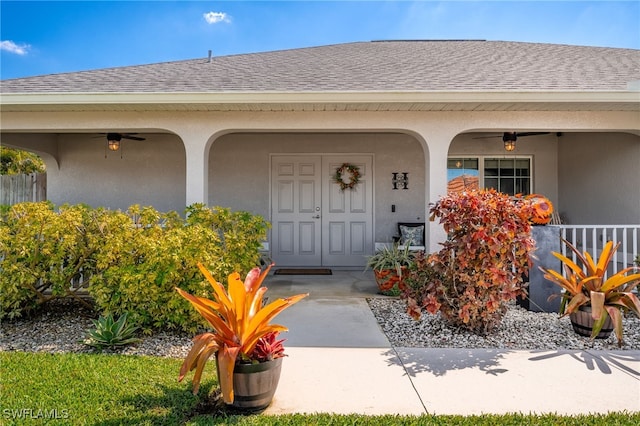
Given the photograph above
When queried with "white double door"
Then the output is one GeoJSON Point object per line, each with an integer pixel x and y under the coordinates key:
{"type": "Point", "coordinates": [314, 222]}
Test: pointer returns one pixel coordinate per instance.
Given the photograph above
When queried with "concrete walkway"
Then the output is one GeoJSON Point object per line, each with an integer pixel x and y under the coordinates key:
{"type": "Point", "coordinates": [339, 361]}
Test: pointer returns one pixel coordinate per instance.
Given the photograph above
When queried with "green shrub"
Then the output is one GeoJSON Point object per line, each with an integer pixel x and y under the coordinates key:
{"type": "Point", "coordinates": [42, 252]}
{"type": "Point", "coordinates": [20, 233]}
{"type": "Point", "coordinates": [241, 235]}
{"type": "Point", "coordinates": [130, 262]}
{"type": "Point", "coordinates": [141, 262]}
{"type": "Point", "coordinates": [139, 266]}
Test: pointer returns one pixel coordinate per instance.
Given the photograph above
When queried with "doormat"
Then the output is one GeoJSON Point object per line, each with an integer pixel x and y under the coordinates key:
{"type": "Point", "coordinates": [307, 271]}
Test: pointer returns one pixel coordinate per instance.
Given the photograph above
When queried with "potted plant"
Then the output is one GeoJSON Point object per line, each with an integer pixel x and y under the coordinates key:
{"type": "Point", "coordinates": [389, 264]}
{"type": "Point", "coordinates": [637, 262]}
{"type": "Point", "coordinates": [243, 340]}
{"type": "Point", "coordinates": [594, 302]}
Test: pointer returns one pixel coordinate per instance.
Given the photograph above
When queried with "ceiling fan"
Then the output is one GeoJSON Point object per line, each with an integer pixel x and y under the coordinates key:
{"type": "Point", "coordinates": [509, 138]}
{"type": "Point", "coordinates": [113, 140]}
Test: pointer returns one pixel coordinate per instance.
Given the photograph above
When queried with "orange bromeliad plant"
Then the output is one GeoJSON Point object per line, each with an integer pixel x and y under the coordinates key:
{"type": "Point", "coordinates": [586, 284]}
{"type": "Point", "coordinates": [239, 321]}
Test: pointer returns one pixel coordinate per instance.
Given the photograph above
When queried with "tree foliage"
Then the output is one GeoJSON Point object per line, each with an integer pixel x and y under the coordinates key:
{"type": "Point", "coordinates": [15, 162]}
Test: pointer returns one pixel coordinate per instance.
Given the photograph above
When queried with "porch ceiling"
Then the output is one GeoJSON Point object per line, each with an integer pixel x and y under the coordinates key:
{"type": "Point", "coordinates": [324, 101]}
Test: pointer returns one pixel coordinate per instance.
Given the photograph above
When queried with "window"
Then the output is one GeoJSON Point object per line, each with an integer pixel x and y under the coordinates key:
{"type": "Point", "coordinates": [507, 175]}
{"type": "Point", "coordinates": [462, 174]}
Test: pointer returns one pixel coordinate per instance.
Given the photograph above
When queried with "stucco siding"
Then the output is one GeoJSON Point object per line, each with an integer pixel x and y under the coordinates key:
{"type": "Point", "coordinates": [150, 172]}
{"type": "Point", "coordinates": [599, 178]}
{"type": "Point", "coordinates": [239, 167]}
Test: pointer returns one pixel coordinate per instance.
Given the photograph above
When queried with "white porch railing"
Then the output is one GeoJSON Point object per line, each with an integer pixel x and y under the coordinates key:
{"type": "Point", "coordinates": [592, 238]}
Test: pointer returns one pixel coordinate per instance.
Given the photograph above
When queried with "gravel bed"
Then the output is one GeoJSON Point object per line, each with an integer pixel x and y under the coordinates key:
{"type": "Point", "coordinates": [519, 329]}
{"type": "Point", "coordinates": [62, 325]}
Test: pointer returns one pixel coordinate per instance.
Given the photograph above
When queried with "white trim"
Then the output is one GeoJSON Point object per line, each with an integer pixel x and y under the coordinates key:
{"type": "Point", "coordinates": [345, 97]}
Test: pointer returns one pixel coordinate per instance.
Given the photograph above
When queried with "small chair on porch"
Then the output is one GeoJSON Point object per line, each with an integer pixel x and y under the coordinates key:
{"type": "Point", "coordinates": [412, 234]}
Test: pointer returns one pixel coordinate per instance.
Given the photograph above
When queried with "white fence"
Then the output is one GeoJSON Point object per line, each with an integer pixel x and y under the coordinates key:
{"type": "Point", "coordinates": [20, 188]}
{"type": "Point", "coordinates": [592, 238]}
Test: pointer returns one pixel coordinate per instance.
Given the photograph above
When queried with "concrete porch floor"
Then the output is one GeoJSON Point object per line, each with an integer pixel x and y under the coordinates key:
{"type": "Point", "coordinates": [332, 314]}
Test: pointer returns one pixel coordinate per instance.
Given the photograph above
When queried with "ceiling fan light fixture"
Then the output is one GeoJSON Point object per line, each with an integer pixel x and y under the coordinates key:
{"type": "Point", "coordinates": [113, 141]}
{"type": "Point", "coordinates": [114, 145]}
{"type": "Point", "coordinates": [509, 145]}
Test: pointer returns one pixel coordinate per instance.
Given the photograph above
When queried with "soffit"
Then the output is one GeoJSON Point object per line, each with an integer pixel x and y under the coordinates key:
{"type": "Point", "coordinates": [354, 101]}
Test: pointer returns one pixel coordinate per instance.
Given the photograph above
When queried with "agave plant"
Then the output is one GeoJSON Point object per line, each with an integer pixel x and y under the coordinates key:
{"type": "Point", "coordinates": [111, 333]}
{"type": "Point", "coordinates": [585, 284]}
{"type": "Point", "coordinates": [239, 321]}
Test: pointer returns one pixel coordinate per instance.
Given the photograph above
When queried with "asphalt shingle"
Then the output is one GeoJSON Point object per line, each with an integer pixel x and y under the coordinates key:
{"type": "Point", "coordinates": [403, 66]}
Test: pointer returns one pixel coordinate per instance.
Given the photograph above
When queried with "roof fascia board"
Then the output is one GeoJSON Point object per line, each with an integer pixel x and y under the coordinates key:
{"type": "Point", "coordinates": [8, 99]}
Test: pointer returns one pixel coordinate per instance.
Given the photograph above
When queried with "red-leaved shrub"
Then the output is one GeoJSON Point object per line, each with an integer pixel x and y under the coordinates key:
{"type": "Point", "coordinates": [481, 265]}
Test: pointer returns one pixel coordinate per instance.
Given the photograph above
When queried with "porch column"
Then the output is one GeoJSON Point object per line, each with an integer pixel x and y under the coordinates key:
{"type": "Point", "coordinates": [197, 168]}
{"type": "Point", "coordinates": [437, 138]}
{"type": "Point", "coordinates": [437, 185]}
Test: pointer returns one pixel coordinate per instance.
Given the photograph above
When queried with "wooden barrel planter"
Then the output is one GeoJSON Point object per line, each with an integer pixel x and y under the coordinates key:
{"type": "Point", "coordinates": [582, 323]}
{"type": "Point", "coordinates": [255, 384]}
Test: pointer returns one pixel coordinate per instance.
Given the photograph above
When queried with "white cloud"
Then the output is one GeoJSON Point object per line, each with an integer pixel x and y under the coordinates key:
{"type": "Point", "coordinates": [9, 46]}
{"type": "Point", "coordinates": [215, 17]}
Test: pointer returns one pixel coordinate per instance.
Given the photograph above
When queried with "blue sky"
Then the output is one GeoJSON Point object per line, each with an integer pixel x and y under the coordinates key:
{"type": "Point", "coordinates": [51, 37]}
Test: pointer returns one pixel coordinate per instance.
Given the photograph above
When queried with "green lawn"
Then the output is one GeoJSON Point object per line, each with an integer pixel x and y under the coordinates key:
{"type": "Point", "coordinates": [95, 389]}
{"type": "Point", "coordinates": [91, 389]}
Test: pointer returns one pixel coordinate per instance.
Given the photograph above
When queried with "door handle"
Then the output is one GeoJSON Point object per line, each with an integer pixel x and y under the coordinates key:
{"type": "Point", "coordinates": [316, 216]}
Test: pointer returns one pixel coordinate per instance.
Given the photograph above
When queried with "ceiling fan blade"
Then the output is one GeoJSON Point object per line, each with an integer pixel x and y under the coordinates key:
{"type": "Point", "coordinates": [512, 135]}
{"type": "Point", "coordinates": [531, 133]}
{"type": "Point", "coordinates": [487, 137]}
{"type": "Point", "coordinates": [133, 138]}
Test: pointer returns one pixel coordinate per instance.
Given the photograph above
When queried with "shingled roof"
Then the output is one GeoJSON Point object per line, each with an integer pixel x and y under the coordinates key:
{"type": "Point", "coordinates": [378, 66]}
{"type": "Point", "coordinates": [364, 76]}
